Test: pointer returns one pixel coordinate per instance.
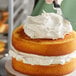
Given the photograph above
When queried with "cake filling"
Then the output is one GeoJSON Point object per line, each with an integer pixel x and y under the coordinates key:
{"type": "Point", "coordinates": [41, 60]}
{"type": "Point", "coordinates": [47, 25]}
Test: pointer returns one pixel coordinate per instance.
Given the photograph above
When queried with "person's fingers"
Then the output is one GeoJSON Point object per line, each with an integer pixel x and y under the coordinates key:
{"type": "Point", "coordinates": [49, 1]}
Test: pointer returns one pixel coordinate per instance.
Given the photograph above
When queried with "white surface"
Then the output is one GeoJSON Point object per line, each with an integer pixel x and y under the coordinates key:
{"type": "Point", "coordinates": [12, 71]}
{"type": "Point", "coordinates": [18, 5]}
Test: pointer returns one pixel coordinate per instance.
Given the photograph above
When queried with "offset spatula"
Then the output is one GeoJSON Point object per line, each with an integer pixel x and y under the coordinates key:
{"type": "Point", "coordinates": [57, 8]}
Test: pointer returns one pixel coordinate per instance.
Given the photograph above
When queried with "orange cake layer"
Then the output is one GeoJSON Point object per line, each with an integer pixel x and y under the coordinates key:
{"type": "Point", "coordinates": [2, 44]}
{"type": "Point", "coordinates": [2, 50]}
{"type": "Point", "coordinates": [46, 47]}
{"type": "Point", "coordinates": [49, 70]}
{"type": "Point", "coordinates": [2, 47]}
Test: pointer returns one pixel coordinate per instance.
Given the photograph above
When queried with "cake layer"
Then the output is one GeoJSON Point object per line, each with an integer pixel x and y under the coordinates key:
{"type": "Point", "coordinates": [2, 44]}
{"type": "Point", "coordinates": [10, 70]}
{"type": "Point", "coordinates": [50, 70]}
{"type": "Point", "coordinates": [2, 50]}
{"type": "Point", "coordinates": [46, 47]}
{"type": "Point", "coordinates": [41, 60]}
{"type": "Point", "coordinates": [2, 47]}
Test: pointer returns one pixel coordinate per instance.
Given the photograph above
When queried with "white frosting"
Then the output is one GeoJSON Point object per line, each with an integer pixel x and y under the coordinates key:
{"type": "Point", "coordinates": [47, 25]}
{"type": "Point", "coordinates": [41, 60]}
{"type": "Point", "coordinates": [59, 1]}
{"type": "Point", "coordinates": [59, 11]}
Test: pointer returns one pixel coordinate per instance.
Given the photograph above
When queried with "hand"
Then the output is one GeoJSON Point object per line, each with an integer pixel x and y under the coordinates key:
{"type": "Point", "coordinates": [49, 1]}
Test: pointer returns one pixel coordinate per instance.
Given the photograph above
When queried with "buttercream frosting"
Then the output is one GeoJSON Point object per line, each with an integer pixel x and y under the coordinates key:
{"type": "Point", "coordinates": [41, 60]}
{"type": "Point", "coordinates": [47, 25]}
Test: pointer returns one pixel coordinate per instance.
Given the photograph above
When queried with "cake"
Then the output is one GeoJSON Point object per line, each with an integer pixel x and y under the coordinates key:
{"type": "Point", "coordinates": [3, 28]}
{"type": "Point", "coordinates": [2, 47]}
{"type": "Point", "coordinates": [44, 46]}
{"type": "Point", "coordinates": [3, 25]}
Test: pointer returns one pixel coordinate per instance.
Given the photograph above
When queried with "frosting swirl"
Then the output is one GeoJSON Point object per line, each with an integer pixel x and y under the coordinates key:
{"type": "Point", "coordinates": [47, 25]}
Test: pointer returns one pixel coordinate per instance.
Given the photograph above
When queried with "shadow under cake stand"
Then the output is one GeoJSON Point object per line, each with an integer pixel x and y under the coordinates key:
{"type": "Point", "coordinates": [11, 72]}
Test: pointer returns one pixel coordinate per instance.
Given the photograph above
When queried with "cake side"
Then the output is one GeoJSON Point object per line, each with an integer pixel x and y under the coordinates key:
{"type": "Point", "coordinates": [37, 70]}
{"type": "Point", "coordinates": [46, 47]}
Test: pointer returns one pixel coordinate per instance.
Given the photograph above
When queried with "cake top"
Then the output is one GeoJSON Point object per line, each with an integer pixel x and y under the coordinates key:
{"type": "Point", "coordinates": [47, 25]}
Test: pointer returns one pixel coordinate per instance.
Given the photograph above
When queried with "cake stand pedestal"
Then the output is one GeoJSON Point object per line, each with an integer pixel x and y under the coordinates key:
{"type": "Point", "coordinates": [11, 72]}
